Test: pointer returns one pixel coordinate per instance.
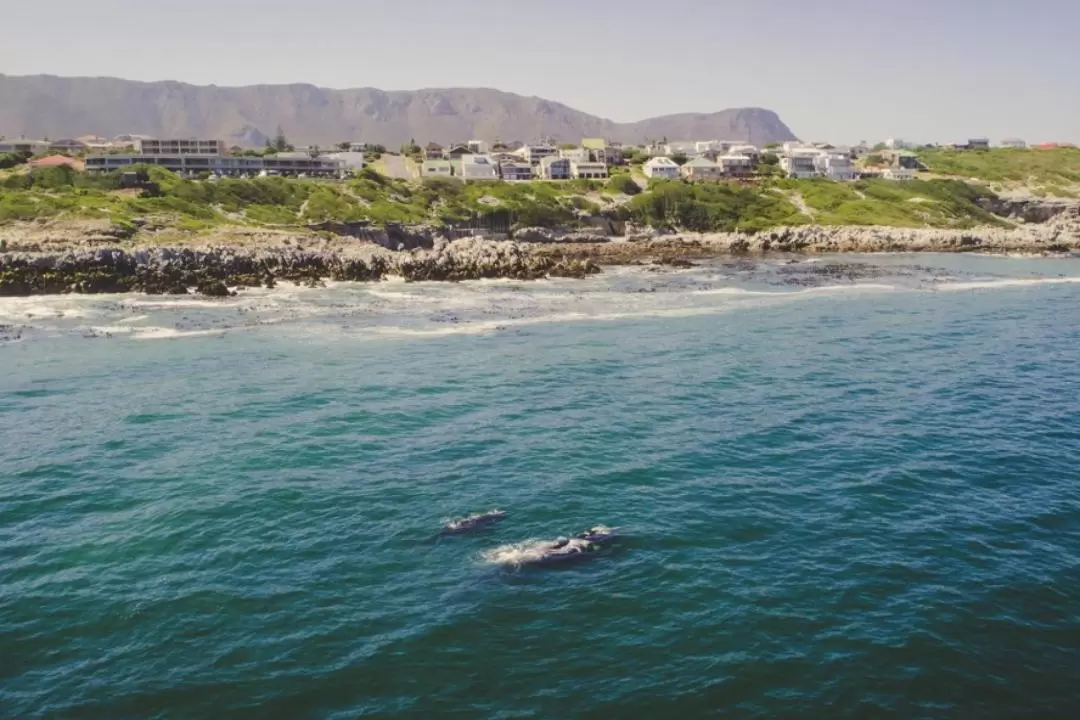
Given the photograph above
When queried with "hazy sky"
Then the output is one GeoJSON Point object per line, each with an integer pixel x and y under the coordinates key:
{"type": "Point", "coordinates": [839, 70]}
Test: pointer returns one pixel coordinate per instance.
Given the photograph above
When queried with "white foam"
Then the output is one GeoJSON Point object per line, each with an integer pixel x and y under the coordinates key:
{"type": "Point", "coordinates": [1001, 284]}
{"type": "Point", "coordinates": [517, 554]}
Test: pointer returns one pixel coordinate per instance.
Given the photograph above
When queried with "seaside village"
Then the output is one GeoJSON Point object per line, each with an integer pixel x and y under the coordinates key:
{"type": "Point", "coordinates": [476, 160]}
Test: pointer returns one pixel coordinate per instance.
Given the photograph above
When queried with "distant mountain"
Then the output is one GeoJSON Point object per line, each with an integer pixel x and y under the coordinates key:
{"type": "Point", "coordinates": [56, 107]}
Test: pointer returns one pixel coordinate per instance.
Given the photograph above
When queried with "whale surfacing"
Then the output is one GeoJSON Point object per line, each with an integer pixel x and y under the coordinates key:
{"type": "Point", "coordinates": [474, 522]}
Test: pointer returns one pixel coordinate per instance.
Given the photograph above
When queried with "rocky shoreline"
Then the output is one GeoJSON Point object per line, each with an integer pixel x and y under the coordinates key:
{"type": "Point", "coordinates": [60, 264]}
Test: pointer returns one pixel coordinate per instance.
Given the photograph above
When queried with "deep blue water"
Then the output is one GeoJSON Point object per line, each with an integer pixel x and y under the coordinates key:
{"type": "Point", "coordinates": [843, 501]}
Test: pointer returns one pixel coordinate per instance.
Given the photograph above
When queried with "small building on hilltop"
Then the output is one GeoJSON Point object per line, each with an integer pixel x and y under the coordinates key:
{"type": "Point", "coordinates": [978, 144]}
{"type": "Point", "coordinates": [478, 147]}
{"type": "Point", "coordinates": [578, 154]}
{"type": "Point", "coordinates": [1013, 143]}
{"type": "Point", "coordinates": [661, 167]}
{"type": "Point", "coordinates": [434, 151]}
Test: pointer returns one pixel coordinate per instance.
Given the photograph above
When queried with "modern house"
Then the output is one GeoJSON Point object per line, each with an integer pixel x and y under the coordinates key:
{"type": "Point", "coordinates": [750, 151]}
{"type": "Point", "coordinates": [284, 164]}
{"type": "Point", "coordinates": [515, 171]}
{"type": "Point", "coordinates": [600, 150]}
{"type": "Point", "coordinates": [458, 152]}
{"type": "Point", "coordinates": [732, 165]}
{"type": "Point", "coordinates": [434, 151]}
{"type": "Point", "coordinates": [800, 164]}
{"type": "Point", "coordinates": [1015, 143]}
{"type": "Point", "coordinates": [554, 168]}
{"type": "Point", "coordinates": [68, 146]}
{"type": "Point", "coordinates": [703, 146]}
{"type": "Point", "coordinates": [477, 147]}
{"type": "Point", "coordinates": [32, 147]}
{"type": "Point", "coordinates": [835, 166]}
{"type": "Point", "coordinates": [701, 168]}
{"type": "Point", "coordinates": [689, 149]}
{"type": "Point", "coordinates": [179, 147]}
{"type": "Point", "coordinates": [350, 160]}
{"type": "Point", "coordinates": [588, 170]}
{"type": "Point", "coordinates": [476, 167]}
{"type": "Point", "coordinates": [578, 154]}
{"type": "Point", "coordinates": [533, 154]}
{"type": "Point", "coordinates": [436, 168]}
{"type": "Point", "coordinates": [661, 167]}
{"type": "Point", "coordinates": [978, 144]}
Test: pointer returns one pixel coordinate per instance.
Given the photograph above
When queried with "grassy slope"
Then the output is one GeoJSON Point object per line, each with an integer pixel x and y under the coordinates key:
{"type": "Point", "coordinates": [1044, 172]}
{"type": "Point", "coordinates": [193, 206]}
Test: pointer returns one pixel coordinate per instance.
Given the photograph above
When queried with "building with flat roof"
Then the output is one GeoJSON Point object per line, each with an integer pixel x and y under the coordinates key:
{"type": "Point", "coordinates": [147, 146]}
{"type": "Point", "coordinates": [221, 164]}
{"type": "Point", "coordinates": [32, 147]}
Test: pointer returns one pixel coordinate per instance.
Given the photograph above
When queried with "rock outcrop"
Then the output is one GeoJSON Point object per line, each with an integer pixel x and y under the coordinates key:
{"type": "Point", "coordinates": [213, 271]}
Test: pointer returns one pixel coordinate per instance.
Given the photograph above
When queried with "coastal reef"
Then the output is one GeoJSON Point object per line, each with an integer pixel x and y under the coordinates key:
{"type": "Point", "coordinates": [214, 271]}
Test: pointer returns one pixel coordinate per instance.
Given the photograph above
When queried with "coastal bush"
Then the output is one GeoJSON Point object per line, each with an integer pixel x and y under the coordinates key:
{"type": "Point", "coordinates": [714, 207]}
{"type": "Point", "coordinates": [622, 183]}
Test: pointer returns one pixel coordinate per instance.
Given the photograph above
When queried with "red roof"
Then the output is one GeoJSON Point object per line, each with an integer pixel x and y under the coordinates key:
{"type": "Point", "coordinates": [56, 161]}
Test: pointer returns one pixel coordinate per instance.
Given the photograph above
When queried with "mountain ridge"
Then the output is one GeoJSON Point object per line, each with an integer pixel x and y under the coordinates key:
{"type": "Point", "coordinates": [55, 106]}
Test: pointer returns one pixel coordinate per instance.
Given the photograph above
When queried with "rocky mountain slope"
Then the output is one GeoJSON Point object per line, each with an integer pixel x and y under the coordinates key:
{"type": "Point", "coordinates": [49, 106]}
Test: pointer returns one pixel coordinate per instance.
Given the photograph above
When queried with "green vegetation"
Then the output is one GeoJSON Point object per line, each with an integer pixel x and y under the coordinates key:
{"type": "Point", "coordinates": [712, 207]}
{"type": "Point", "coordinates": [194, 205]}
{"type": "Point", "coordinates": [1055, 172]}
{"type": "Point", "coordinates": [919, 203]}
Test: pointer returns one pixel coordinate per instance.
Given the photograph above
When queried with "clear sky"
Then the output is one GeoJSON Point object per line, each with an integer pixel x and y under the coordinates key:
{"type": "Point", "coordinates": [838, 70]}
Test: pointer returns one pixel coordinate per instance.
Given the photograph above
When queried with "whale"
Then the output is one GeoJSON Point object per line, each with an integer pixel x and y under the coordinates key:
{"type": "Point", "coordinates": [563, 550]}
{"type": "Point", "coordinates": [473, 522]}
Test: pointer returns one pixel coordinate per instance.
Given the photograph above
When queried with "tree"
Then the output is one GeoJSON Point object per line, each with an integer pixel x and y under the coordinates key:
{"type": "Point", "coordinates": [281, 143]}
{"type": "Point", "coordinates": [567, 146]}
{"type": "Point", "coordinates": [770, 159]}
{"type": "Point", "coordinates": [679, 159]}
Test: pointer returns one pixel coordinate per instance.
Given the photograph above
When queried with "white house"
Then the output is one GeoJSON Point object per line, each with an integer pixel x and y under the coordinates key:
{"type": "Point", "coordinates": [701, 168]}
{"type": "Point", "coordinates": [661, 167]}
{"type": "Point", "coordinates": [681, 148]}
{"type": "Point", "coordinates": [350, 160]}
{"type": "Point", "coordinates": [895, 144]}
{"type": "Point", "coordinates": [437, 168]}
{"type": "Point", "coordinates": [588, 169]}
{"type": "Point", "coordinates": [750, 151]}
{"type": "Point", "coordinates": [734, 165]}
{"type": "Point", "coordinates": [898, 174]}
{"type": "Point", "coordinates": [800, 164]}
{"type": "Point", "coordinates": [477, 167]}
{"type": "Point", "coordinates": [703, 146]}
{"type": "Point", "coordinates": [578, 154]}
{"type": "Point", "coordinates": [478, 147]}
{"type": "Point", "coordinates": [533, 154]}
{"type": "Point", "coordinates": [835, 166]}
{"type": "Point", "coordinates": [1015, 143]}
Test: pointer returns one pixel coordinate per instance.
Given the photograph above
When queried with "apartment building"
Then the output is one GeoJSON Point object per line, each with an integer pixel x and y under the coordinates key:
{"type": "Point", "coordinates": [179, 147]}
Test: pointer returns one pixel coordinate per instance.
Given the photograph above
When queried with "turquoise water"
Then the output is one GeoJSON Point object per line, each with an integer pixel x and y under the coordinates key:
{"type": "Point", "coordinates": [839, 499]}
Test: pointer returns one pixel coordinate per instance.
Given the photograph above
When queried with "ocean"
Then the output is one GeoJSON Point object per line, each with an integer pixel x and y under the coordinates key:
{"type": "Point", "coordinates": [844, 487]}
